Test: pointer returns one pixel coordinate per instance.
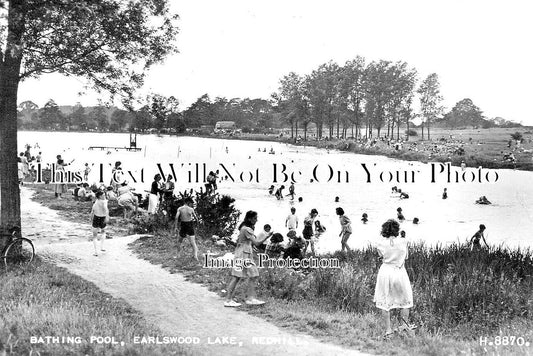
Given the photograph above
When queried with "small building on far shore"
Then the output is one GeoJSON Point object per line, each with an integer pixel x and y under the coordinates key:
{"type": "Point", "coordinates": [206, 129]}
{"type": "Point", "coordinates": [225, 127]}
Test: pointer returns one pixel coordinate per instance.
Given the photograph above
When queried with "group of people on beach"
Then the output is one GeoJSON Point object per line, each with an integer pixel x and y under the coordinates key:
{"type": "Point", "coordinates": [26, 163]}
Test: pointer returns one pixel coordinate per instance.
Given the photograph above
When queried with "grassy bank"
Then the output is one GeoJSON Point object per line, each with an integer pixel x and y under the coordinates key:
{"type": "Point", "coordinates": [77, 211]}
{"type": "Point", "coordinates": [484, 150]}
{"type": "Point", "coordinates": [460, 296]}
{"type": "Point", "coordinates": [46, 300]}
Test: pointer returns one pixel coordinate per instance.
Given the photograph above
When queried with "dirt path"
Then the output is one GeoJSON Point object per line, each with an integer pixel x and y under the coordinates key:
{"type": "Point", "coordinates": [178, 307]}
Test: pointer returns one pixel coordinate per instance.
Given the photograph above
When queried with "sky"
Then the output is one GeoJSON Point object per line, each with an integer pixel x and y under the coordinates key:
{"type": "Point", "coordinates": [478, 48]}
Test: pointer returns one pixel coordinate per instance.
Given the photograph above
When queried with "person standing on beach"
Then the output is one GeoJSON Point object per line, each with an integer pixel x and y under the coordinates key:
{"type": "Point", "coordinates": [60, 188]}
{"type": "Point", "coordinates": [153, 198]}
{"type": "Point", "coordinates": [116, 175]}
{"type": "Point", "coordinates": [185, 217]}
{"type": "Point", "coordinates": [25, 164]}
{"type": "Point", "coordinates": [100, 218]}
{"type": "Point", "coordinates": [244, 264]}
{"type": "Point", "coordinates": [86, 172]}
{"type": "Point", "coordinates": [168, 194]}
{"type": "Point", "coordinates": [346, 229]}
{"type": "Point", "coordinates": [292, 220]}
{"type": "Point", "coordinates": [393, 287]}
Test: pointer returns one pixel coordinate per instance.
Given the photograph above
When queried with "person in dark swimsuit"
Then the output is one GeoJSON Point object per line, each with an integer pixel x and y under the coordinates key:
{"type": "Point", "coordinates": [475, 241]}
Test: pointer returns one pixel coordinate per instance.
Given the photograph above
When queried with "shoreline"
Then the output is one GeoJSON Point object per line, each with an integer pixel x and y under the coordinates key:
{"type": "Point", "coordinates": [352, 147]}
{"type": "Point", "coordinates": [470, 158]}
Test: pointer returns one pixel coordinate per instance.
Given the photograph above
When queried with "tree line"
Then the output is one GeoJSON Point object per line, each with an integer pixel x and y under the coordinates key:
{"type": "Point", "coordinates": [354, 100]}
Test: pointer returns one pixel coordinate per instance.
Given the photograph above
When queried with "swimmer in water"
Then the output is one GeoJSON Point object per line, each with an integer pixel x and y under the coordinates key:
{"type": "Point", "coordinates": [279, 192]}
{"type": "Point", "coordinates": [364, 218]}
{"type": "Point", "coordinates": [483, 200]}
{"type": "Point", "coordinates": [395, 189]}
{"type": "Point", "coordinates": [402, 234]}
{"type": "Point", "coordinates": [271, 190]}
{"type": "Point", "coordinates": [300, 199]}
{"type": "Point", "coordinates": [445, 194]}
{"type": "Point", "coordinates": [416, 221]}
{"type": "Point", "coordinates": [291, 191]}
{"type": "Point", "coordinates": [400, 215]}
{"type": "Point", "coordinates": [337, 199]}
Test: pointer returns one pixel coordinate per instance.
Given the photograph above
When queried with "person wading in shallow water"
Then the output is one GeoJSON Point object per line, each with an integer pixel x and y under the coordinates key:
{"type": "Point", "coordinates": [244, 265]}
{"type": "Point", "coordinates": [475, 241]}
{"type": "Point", "coordinates": [346, 229]}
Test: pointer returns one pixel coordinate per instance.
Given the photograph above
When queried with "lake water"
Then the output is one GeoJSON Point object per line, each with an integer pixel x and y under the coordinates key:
{"type": "Point", "coordinates": [509, 219]}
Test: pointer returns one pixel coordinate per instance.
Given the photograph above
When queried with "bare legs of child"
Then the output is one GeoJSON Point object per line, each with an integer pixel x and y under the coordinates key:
{"type": "Point", "coordinates": [344, 242]}
{"type": "Point", "coordinates": [192, 240]}
{"type": "Point", "coordinates": [102, 239]}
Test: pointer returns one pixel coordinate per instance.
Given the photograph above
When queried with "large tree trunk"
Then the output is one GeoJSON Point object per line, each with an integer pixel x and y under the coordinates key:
{"type": "Point", "coordinates": [9, 81]}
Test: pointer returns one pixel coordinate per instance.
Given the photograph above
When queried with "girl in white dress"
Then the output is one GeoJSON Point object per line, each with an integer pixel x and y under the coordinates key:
{"type": "Point", "coordinates": [393, 288]}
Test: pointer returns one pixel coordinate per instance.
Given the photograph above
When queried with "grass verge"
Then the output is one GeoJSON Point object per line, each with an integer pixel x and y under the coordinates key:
{"type": "Point", "coordinates": [45, 300]}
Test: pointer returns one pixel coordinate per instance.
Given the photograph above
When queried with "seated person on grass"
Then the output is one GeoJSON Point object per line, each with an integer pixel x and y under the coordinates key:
{"type": "Point", "coordinates": [274, 249]}
{"type": "Point", "coordinates": [295, 247]}
{"type": "Point", "coordinates": [127, 200]}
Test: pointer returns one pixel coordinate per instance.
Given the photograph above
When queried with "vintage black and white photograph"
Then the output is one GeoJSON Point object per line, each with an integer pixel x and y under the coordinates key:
{"type": "Point", "coordinates": [266, 177]}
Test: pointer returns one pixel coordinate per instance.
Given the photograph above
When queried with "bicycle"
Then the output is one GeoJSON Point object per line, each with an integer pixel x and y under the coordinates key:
{"type": "Point", "coordinates": [19, 252]}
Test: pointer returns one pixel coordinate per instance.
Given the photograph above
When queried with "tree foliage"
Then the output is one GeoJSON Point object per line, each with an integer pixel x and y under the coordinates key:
{"type": "Point", "coordinates": [109, 42]}
{"type": "Point", "coordinates": [430, 99]}
{"type": "Point", "coordinates": [463, 114]}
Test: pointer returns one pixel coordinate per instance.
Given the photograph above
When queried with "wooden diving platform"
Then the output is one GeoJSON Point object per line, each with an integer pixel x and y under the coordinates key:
{"type": "Point", "coordinates": [115, 148]}
{"type": "Point", "coordinates": [133, 145]}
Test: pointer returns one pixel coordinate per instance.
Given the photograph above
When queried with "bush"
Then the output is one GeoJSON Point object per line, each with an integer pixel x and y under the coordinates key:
{"type": "Point", "coordinates": [151, 223]}
{"type": "Point", "coordinates": [411, 132]}
{"type": "Point", "coordinates": [517, 136]}
{"type": "Point", "coordinates": [217, 213]}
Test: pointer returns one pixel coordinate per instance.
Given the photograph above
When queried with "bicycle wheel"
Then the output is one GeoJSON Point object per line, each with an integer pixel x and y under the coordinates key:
{"type": "Point", "coordinates": [19, 253]}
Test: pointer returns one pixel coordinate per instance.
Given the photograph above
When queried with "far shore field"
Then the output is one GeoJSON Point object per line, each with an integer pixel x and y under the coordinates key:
{"type": "Point", "coordinates": [486, 149]}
